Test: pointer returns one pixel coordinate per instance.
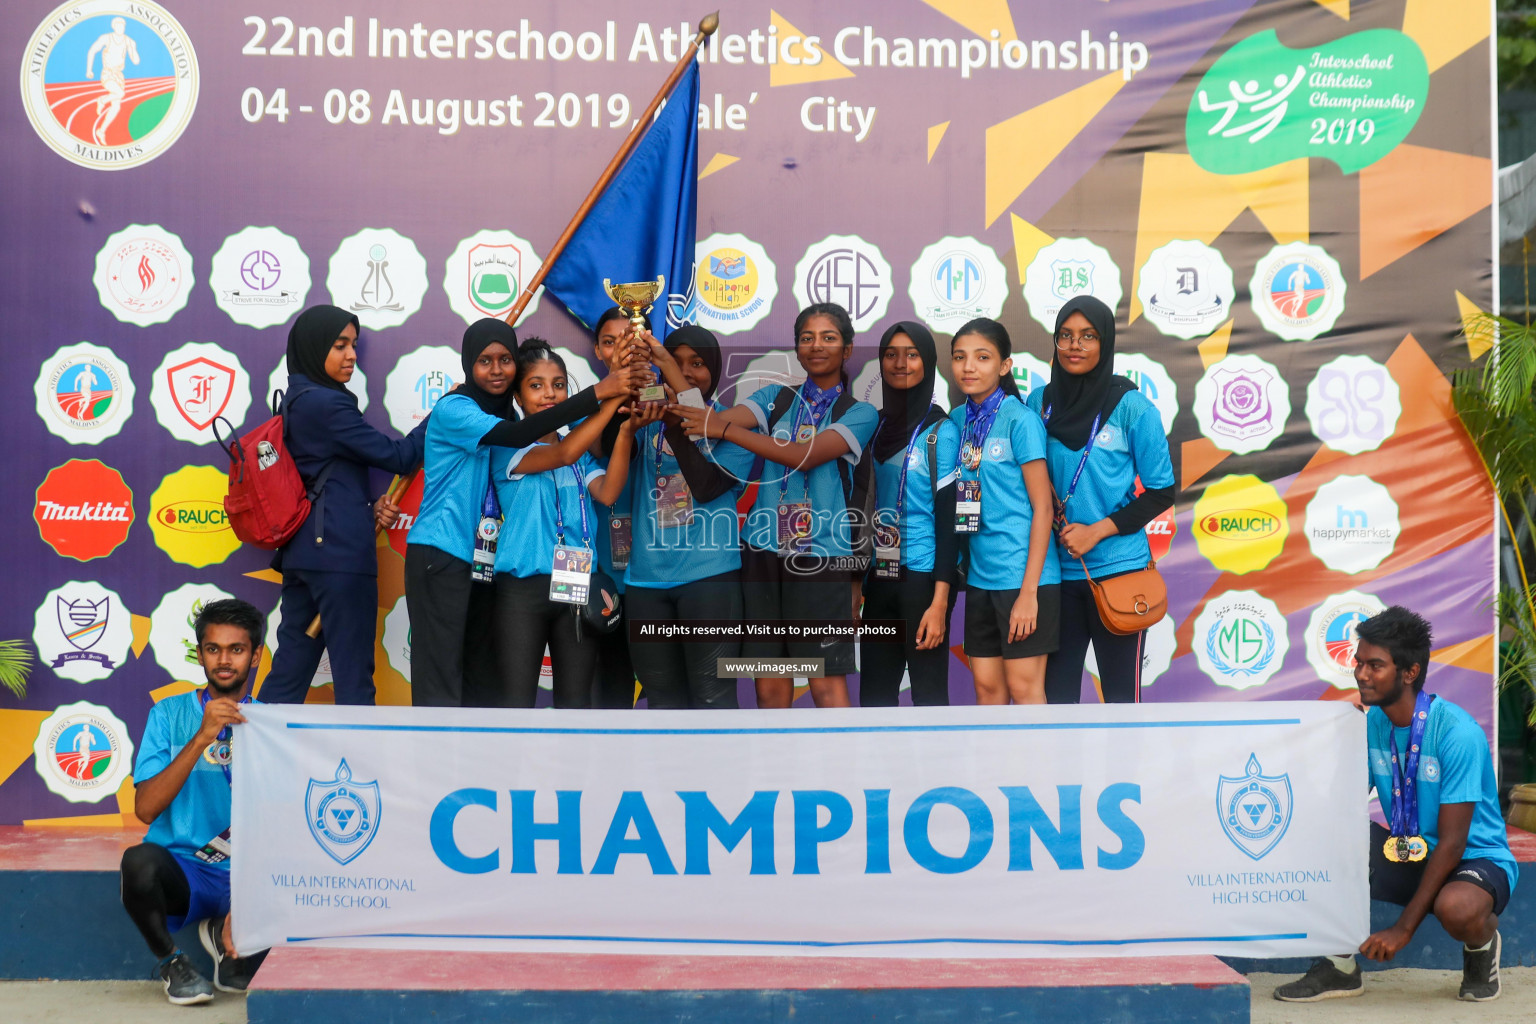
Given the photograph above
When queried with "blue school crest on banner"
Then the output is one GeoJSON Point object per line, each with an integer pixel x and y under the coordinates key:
{"type": "Point", "coordinates": [343, 814]}
{"type": "Point", "coordinates": [1255, 809]}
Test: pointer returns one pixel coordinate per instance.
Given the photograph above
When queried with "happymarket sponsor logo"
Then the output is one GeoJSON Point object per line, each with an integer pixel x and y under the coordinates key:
{"type": "Point", "coordinates": [1297, 291]}
{"type": "Point", "coordinates": [1240, 639]}
{"type": "Point", "coordinates": [1353, 404]}
{"type": "Point", "coordinates": [187, 516]}
{"type": "Point", "coordinates": [82, 631]}
{"type": "Point", "coordinates": [849, 271]}
{"type": "Point", "coordinates": [1331, 639]}
{"type": "Point", "coordinates": [1352, 524]}
{"type": "Point", "coordinates": [83, 752]}
{"type": "Point", "coordinates": [84, 393]}
{"type": "Point", "coordinates": [259, 277]}
{"type": "Point", "coordinates": [735, 283]}
{"type": "Point", "coordinates": [957, 279]}
{"type": "Point", "coordinates": [421, 377]}
{"type": "Point", "coordinates": [83, 509]}
{"type": "Point", "coordinates": [380, 275]}
{"type": "Point", "coordinates": [487, 272]}
{"type": "Point", "coordinates": [1240, 524]}
{"type": "Point", "coordinates": [1186, 289]}
{"type": "Point", "coordinates": [1065, 269]}
{"type": "Point", "coordinates": [143, 274]}
{"type": "Point", "coordinates": [138, 91]}
{"type": "Point", "coordinates": [1242, 403]}
{"type": "Point", "coordinates": [195, 385]}
{"type": "Point", "coordinates": [172, 639]}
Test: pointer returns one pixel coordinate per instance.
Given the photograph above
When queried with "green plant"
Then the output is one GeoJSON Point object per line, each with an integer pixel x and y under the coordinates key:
{"type": "Point", "coordinates": [15, 665]}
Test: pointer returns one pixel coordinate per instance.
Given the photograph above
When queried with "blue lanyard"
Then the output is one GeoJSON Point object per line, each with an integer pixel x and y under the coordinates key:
{"type": "Point", "coordinates": [901, 486]}
{"type": "Point", "coordinates": [490, 508]}
{"type": "Point", "coordinates": [224, 733]}
{"type": "Point", "coordinates": [978, 424]}
{"type": "Point", "coordinates": [1405, 773]}
{"type": "Point", "coordinates": [1093, 435]}
{"type": "Point", "coordinates": [581, 498]}
{"type": "Point", "coordinates": [818, 409]}
{"type": "Point", "coordinates": [658, 449]}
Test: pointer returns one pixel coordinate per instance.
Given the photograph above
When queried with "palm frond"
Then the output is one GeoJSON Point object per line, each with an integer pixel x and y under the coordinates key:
{"type": "Point", "coordinates": [15, 665]}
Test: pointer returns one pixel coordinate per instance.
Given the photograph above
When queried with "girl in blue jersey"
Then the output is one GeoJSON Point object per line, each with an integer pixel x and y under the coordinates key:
{"type": "Point", "coordinates": [1104, 435]}
{"type": "Point", "coordinates": [686, 560]}
{"type": "Point", "coordinates": [1003, 509]}
{"type": "Point", "coordinates": [545, 555]}
{"type": "Point", "coordinates": [807, 546]}
{"type": "Point", "coordinates": [912, 575]}
{"type": "Point", "coordinates": [452, 663]}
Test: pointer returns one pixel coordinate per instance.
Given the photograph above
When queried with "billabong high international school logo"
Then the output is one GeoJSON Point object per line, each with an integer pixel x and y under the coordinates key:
{"type": "Point", "coordinates": [84, 393]}
{"type": "Point", "coordinates": [735, 283]}
{"type": "Point", "coordinates": [83, 752]}
{"type": "Point", "coordinates": [343, 814]}
{"type": "Point", "coordinates": [1254, 808]}
{"type": "Point", "coordinates": [109, 85]}
{"type": "Point", "coordinates": [1298, 291]}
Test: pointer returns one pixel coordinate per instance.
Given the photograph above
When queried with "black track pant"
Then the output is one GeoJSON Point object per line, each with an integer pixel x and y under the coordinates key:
{"type": "Point", "coordinates": [613, 679]}
{"type": "Point", "coordinates": [453, 658]}
{"type": "Point", "coordinates": [1119, 657]}
{"type": "Point", "coordinates": [881, 664]}
{"type": "Point", "coordinates": [527, 620]}
{"type": "Point", "coordinates": [154, 889]}
{"type": "Point", "coordinates": [679, 674]}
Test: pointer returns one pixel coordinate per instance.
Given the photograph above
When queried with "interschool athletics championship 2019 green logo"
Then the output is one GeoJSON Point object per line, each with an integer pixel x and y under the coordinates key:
{"type": "Point", "coordinates": [109, 85]}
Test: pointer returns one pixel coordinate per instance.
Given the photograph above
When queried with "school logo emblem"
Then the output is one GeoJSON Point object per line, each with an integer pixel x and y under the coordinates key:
{"type": "Point", "coordinates": [137, 93]}
{"type": "Point", "coordinates": [1353, 404]}
{"type": "Point", "coordinates": [1240, 524]}
{"type": "Point", "coordinates": [380, 275]}
{"type": "Point", "coordinates": [343, 814]}
{"type": "Point", "coordinates": [1331, 637]}
{"type": "Point", "coordinates": [1065, 269]}
{"type": "Point", "coordinates": [84, 393]}
{"type": "Point", "coordinates": [82, 631]}
{"type": "Point", "coordinates": [1254, 808]}
{"type": "Point", "coordinates": [83, 752]}
{"type": "Point", "coordinates": [259, 277]}
{"type": "Point", "coordinates": [486, 272]}
{"type": "Point", "coordinates": [143, 274]}
{"type": "Point", "coordinates": [735, 283]}
{"type": "Point", "coordinates": [1352, 524]}
{"type": "Point", "coordinates": [1186, 289]}
{"type": "Point", "coordinates": [187, 516]}
{"type": "Point", "coordinates": [83, 510]}
{"type": "Point", "coordinates": [195, 385]}
{"type": "Point", "coordinates": [397, 638]}
{"type": "Point", "coordinates": [172, 638]}
{"type": "Point", "coordinates": [1240, 639]}
{"type": "Point", "coordinates": [418, 380]}
{"type": "Point", "coordinates": [849, 271]}
{"type": "Point", "coordinates": [1298, 291]}
{"type": "Point", "coordinates": [1242, 404]}
{"type": "Point", "coordinates": [957, 279]}
{"type": "Point", "coordinates": [1151, 379]}
{"type": "Point", "coordinates": [1029, 373]}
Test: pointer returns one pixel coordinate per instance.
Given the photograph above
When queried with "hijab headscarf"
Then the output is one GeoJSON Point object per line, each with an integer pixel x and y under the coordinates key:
{"type": "Point", "coordinates": [310, 340]}
{"type": "Point", "coordinates": [902, 411]}
{"type": "Point", "coordinates": [479, 336]}
{"type": "Point", "coordinates": [1075, 399]}
{"type": "Point", "coordinates": [702, 342]}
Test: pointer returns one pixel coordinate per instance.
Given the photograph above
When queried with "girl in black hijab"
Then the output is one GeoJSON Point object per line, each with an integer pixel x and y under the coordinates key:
{"type": "Point", "coordinates": [453, 661]}
{"type": "Point", "coordinates": [1104, 436]}
{"type": "Point", "coordinates": [912, 575]}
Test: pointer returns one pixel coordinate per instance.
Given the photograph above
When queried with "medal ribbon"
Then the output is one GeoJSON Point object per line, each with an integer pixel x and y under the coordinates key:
{"type": "Point", "coordinates": [586, 533]}
{"type": "Point", "coordinates": [817, 402]}
{"type": "Point", "coordinates": [224, 733]}
{"type": "Point", "coordinates": [978, 423]}
{"type": "Point", "coordinates": [1405, 771]}
{"type": "Point", "coordinates": [1093, 435]}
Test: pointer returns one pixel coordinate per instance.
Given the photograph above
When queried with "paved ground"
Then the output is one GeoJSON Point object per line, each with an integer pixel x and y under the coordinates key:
{"type": "Point", "coordinates": [1391, 997]}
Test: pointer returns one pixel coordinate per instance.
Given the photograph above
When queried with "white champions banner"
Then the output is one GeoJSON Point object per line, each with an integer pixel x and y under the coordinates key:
{"type": "Point", "coordinates": [1228, 828]}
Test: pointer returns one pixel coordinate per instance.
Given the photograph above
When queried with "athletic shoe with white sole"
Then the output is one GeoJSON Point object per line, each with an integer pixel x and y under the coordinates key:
{"type": "Point", "coordinates": [1480, 972]}
{"type": "Point", "coordinates": [230, 973]}
{"type": "Point", "coordinates": [1323, 981]}
{"type": "Point", "coordinates": [183, 985]}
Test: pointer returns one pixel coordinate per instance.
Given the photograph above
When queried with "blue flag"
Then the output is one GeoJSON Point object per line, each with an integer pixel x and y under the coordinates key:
{"type": "Point", "coordinates": [642, 226]}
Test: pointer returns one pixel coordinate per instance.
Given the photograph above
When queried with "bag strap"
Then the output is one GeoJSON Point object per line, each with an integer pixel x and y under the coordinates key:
{"type": "Point", "coordinates": [231, 447]}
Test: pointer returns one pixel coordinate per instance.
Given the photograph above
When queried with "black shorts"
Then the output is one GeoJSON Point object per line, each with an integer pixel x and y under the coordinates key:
{"type": "Point", "coordinates": [809, 587]}
{"type": "Point", "coordinates": [986, 623]}
{"type": "Point", "coordinates": [1396, 883]}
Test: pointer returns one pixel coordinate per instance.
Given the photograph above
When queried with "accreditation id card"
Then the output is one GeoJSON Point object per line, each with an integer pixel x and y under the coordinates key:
{"type": "Point", "coordinates": [887, 551]}
{"type": "Point", "coordinates": [621, 539]}
{"type": "Point", "coordinates": [674, 502]}
{"type": "Point", "coordinates": [795, 521]}
{"type": "Point", "coordinates": [968, 506]}
{"type": "Point", "coordinates": [570, 580]}
{"type": "Point", "coordinates": [483, 568]}
{"type": "Point", "coordinates": [215, 850]}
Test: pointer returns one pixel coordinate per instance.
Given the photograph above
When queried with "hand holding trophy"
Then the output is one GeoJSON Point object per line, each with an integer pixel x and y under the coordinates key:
{"type": "Point", "coordinates": [636, 298]}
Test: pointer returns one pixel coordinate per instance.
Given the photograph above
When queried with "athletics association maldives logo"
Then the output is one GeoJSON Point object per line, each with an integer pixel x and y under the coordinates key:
{"type": "Point", "coordinates": [343, 814]}
{"type": "Point", "coordinates": [82, 631]}
{"type": "Point", "coordinates": [734, 285]}
{"type": "Point", "coordinates": [1254, 808]}
{"type": "Point", "coordinates": [486, 272]}
{"type": "Point", "coordinates": [84, 393]}
{"type": "Point", "coordinates": [260, 277]}
{"type": "Point", "coordinates": [1242, 404]}
{"type": "Point", "coordinates": [83, 752]}
{"type": "Point", "coordinates": [957, 279]}
{"type": "Point", "coordinates": [849, 271]}
{"type": "Point", "coordinates": [1186, 289]}
{"type": "Point", "coordinates": [1240, 639]}
{"type": "Point", "coordinates": [84, 509]}
{"type": "Point", "coordinates": [1065, 269]}
{"type": "Point", "coordinates": [1297, 291]}
{"type": "Point", "coordinates": [109, 85]}
{"type": "Point", "coordinates": [1331, 639]}
{"type": "Point", "coordinates": [195, 385]}
{"type": "Point", "coordinates": [143, 274]}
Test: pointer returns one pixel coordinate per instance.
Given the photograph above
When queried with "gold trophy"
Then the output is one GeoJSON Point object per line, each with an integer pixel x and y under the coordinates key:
{"type": "Point", "coordinates": [636, 298]}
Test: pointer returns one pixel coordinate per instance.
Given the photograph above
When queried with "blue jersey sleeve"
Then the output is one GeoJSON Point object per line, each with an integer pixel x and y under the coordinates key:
{"type": "Point", "coordinates": [155, 752]}
{"type": "Point", "coordinates": [458, 422]}
{"type": "Point", "coordinates": [948, 454]}
{"type": "Point", "coordinates": [1027, 438]}
{"type": "Point", "coordinates": [1462, 752]}
{"type": "Point", "coordinates": [1149, 449]}
{"type": "Point", "coordinates": [735, 460]}
{"type": "Point", "coordinates": [588, 469]}
{"type": "Point", "coordinates": [857, 426]}
{"type": "Point", "coordinates": [761, 404]}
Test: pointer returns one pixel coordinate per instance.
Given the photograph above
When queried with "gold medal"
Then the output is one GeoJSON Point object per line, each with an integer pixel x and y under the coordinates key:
{"type": "Point", "coordinates": [1418, 849]}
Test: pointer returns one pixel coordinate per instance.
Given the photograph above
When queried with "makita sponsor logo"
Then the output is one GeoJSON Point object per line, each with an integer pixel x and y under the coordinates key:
{"type": "Point", "coordinates": [98, 511]}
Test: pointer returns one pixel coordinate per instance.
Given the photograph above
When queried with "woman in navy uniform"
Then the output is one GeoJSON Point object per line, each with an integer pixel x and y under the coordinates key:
{"type": "Point", "coordinates": [330, 566]}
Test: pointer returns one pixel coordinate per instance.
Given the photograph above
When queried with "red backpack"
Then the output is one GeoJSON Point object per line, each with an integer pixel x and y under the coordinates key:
{"type": "Point", "coordinates": [267, 500]}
